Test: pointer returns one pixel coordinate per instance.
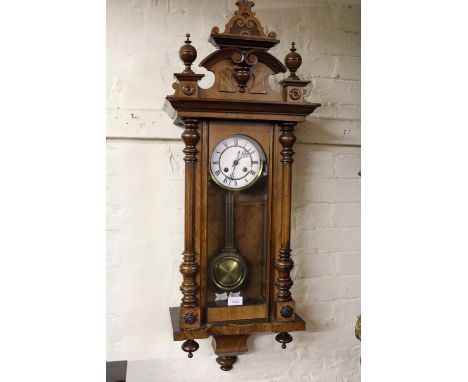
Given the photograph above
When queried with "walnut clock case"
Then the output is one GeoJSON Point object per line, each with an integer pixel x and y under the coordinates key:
{"type": "Point", "coordinates": [239, 137]}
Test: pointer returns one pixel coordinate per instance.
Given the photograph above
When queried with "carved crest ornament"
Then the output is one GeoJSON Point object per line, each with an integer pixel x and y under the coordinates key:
{"type": "Point", "coordinates": [242, 64]}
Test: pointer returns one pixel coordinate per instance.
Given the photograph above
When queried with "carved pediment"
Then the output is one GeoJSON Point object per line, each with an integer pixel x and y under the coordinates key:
{"type": "Point", "coordinates": [242, 67]}
{"type": "Point", "coordinates": [251, 57]}
{"type": "Point", "coordinates": [258, 64]}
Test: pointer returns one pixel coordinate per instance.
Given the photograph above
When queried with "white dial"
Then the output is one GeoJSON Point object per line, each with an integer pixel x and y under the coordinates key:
{"type": "Point", "coordinates": [237, 162]}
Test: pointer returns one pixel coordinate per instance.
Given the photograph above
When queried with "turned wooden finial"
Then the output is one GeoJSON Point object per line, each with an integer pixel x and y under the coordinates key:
{"type": "Point", "coordinates": [293, 61]}
{"type": "Point", "coordinates": [242, 76]}
{"type": "Point", "coordinates": [190, 346]}
{"type": "Point", "coordinates": [284, 338]}
{"type": "Point", "coordinates": [188, 54]}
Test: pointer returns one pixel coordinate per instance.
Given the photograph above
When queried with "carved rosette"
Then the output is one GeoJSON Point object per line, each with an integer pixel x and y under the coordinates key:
{"type": "Point", "coordinates": [189, 267]}
{"type": "Point", "coordinates": [295, 94]}
{"type": "Point", "coordinates": [284, 263]}
{"type": "Point", "coordinates": [188, 89]}
{"type": "Point", "coordinates": [190, 318]}
{"type": "Point", "coordinates": [286, 311]}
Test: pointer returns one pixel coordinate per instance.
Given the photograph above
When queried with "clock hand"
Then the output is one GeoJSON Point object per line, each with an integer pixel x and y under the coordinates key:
{"type": "Point", "coordinates": [232, 173]}
{"type": "Point", "coordinates": [234, 164]}
{"type": "Point", "coordinates": [236, 160]}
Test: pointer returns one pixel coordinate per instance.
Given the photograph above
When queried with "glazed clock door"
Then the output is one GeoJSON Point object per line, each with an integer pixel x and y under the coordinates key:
{"type": "Point", "coordinates": [238, 220]}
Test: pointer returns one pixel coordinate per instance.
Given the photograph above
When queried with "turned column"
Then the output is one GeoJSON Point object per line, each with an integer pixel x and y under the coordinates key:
{"type": "Point", "coordinates": [190, 307]}
{"type": "Point", "coordinates": [285, 305]}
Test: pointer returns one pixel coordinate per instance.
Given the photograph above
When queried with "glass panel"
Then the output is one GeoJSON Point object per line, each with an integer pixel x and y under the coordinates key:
{"type": "Point", "coordinates": [237, 243]}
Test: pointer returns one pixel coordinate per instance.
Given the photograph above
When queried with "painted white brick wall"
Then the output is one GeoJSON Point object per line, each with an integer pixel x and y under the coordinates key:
{"type": "Point", "coordinates": [145, 190]}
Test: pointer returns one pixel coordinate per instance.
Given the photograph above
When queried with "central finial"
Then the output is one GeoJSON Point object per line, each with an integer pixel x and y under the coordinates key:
{"type": "Point", "coordinates": [245, 6]}
{"type": "Point", "coordinates": [244, 2]}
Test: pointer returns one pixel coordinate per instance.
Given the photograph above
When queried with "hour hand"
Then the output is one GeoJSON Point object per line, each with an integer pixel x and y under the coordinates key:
{"type": "Point", "coordinates": [236, 161]}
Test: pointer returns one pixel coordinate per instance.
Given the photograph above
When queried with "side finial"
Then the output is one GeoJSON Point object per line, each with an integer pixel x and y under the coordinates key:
{"type": "Point", "coordinates": [188, 54]}
{"type": "Point", "coordinates": [293, 61]}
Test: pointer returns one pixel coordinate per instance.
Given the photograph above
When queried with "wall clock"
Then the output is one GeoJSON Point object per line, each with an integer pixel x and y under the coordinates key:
{"type": "Point", "coordinates": [239, 137]}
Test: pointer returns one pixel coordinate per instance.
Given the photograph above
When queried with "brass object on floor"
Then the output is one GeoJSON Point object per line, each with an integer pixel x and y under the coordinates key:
{"type": "Point", "coordinates": [357, 329]}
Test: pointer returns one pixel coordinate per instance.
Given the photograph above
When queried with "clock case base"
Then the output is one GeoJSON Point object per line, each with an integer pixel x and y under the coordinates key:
{"type": "Point", "coordinates": [230, 337]}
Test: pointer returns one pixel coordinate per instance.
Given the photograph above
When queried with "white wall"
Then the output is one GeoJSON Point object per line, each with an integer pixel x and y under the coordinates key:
{"type": "Point", "coordinates": [145, 190]}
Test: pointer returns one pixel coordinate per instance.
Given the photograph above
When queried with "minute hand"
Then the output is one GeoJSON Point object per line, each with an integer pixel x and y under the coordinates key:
{"type": "Point", "coordinates": [234, 165]}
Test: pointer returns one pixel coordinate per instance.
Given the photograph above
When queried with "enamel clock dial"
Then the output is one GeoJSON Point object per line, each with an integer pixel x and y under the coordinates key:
{"type": "Point", "coordinates": [237, 162]}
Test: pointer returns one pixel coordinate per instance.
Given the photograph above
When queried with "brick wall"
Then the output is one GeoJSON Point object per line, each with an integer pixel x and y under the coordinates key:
{"type": "Point", "coordinates": [145, 190]}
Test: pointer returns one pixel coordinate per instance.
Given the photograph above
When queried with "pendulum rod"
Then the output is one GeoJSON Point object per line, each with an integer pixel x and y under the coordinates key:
{"type": "Point", "coordinates": [229, 220]}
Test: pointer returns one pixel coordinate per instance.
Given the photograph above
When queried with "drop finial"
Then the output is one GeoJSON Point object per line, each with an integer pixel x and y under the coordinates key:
{"type": "Point", "coordinates": [284, 338]}
{"type": "Point", "coordinates": [189, 347]}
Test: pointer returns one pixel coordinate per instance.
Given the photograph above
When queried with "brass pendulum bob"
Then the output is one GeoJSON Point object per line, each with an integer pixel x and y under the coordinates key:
{"type": "Point", "coordinates": [228, 270]}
